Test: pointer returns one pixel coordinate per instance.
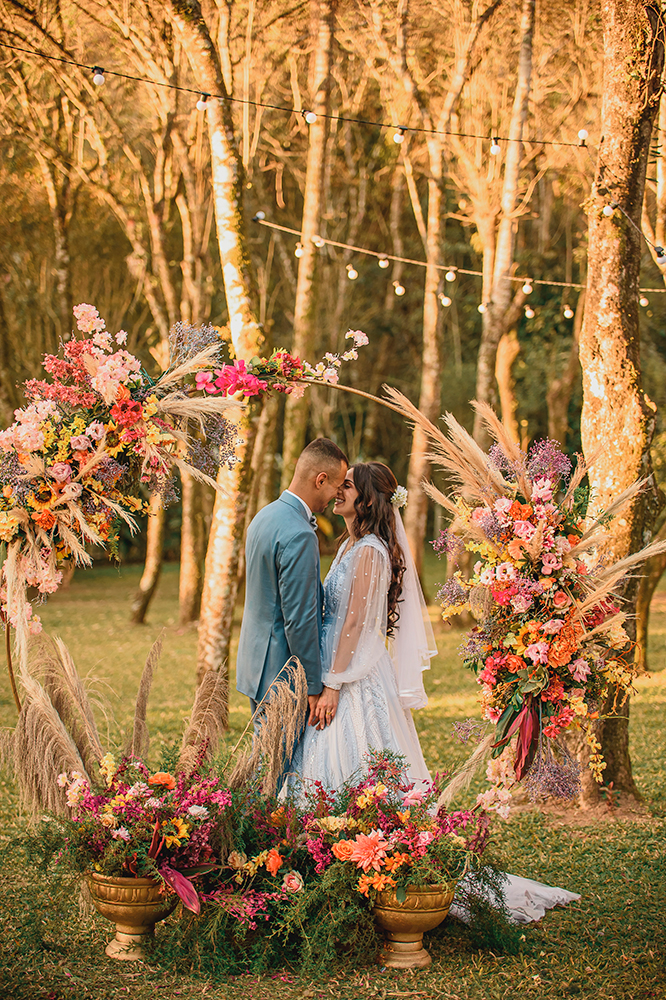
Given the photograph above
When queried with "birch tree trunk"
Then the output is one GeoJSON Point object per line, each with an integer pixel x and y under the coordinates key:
{"type": "Point", "coordinates": [296, 410]}
{"type": "Point", "coordinates": [220, 585]}
{"type": "Point", "coordinates": [189, 579]}
{"type": "Point", "coordinates": [152, 566]}
{"type": "Point", "coordinates": [617, 419]}
{"type": "Point", "coordinates": [496, 319]}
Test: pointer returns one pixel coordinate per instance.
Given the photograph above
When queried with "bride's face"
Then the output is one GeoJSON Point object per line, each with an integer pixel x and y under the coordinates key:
{"type": "Point", "coordinates": [347, 493]}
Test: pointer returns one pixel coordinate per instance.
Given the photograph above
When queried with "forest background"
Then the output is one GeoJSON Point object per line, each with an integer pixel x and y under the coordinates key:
{"type": "Point", "coordinates": [464, 135]}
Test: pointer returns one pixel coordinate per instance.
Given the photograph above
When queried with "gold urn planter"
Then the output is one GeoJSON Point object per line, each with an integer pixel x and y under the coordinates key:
{"type": "Point", "coordinates": [404, 923]}
{"type": "Point", "coordinates": [134, 905]}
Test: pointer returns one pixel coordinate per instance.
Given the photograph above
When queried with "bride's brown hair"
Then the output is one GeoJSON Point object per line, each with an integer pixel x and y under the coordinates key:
{"type": "Point", "coordinates": [376, 515]}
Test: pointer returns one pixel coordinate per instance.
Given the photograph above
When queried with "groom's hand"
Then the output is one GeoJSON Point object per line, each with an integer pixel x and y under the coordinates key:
{"type": "Point", "coordinates": [327, 706]}
{"type": "Point", "coordinates": [312, 704]}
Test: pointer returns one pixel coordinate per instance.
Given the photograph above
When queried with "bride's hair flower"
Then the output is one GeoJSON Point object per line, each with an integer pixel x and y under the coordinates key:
{"type": "Point", "coordinates": [399, 498]}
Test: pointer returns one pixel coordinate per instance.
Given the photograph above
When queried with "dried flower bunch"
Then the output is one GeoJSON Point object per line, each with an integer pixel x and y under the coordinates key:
{"type": "Point", "coordinates": [550, 643]}
{"type": "Point", "coordinates": [74, 464]}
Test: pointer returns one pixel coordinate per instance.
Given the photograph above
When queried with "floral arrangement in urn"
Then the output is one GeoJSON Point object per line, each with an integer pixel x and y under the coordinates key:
{"type": "Point", "coordinates": [550, 642]}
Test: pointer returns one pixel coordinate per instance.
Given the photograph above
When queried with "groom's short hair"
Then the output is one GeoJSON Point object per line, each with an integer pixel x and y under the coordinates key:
{"type": "Point", "coordinates": [321, 455]}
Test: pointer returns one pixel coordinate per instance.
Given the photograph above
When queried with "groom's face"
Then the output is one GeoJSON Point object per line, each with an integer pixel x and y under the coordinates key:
{"type": "Point", "coordinates": [328, 483]}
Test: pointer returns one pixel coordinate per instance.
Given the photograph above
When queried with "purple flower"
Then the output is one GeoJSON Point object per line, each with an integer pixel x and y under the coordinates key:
{"type": "Point", "coordinates": [447, 543]}
{"type": "Point", "coordinates": [452, 593]}
{"type": "Point", "coordinates": [547, 461]}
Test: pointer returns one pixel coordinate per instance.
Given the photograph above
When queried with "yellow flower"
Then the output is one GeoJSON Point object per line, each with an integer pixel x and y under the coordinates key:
{"type": "Point", "coordinates": [362, 801]}
{"type": "Point", "coordinates": [113, 445]}
{"type": "Point", "coordinates": [150, 407]}
{"type": "Point", "coordinates": [181, 831]}
{"type": "Point", "coordinates": [108, 767]}
{"type": "Point", "coordinates": [9, 525]}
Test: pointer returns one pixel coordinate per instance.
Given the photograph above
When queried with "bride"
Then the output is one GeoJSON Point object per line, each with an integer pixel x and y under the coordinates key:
{"type": "Point", "coordinates": [371, 594]}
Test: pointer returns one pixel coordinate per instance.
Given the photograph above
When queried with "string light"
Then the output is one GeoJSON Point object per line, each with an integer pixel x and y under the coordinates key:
{"type": "Point", "coordinates": [98, 76]}
{"type": "Point", "coordinates": [352, 273]}
{"type": "Point", "coordinates": [450, 275]}
{"type": "Point", "coordinates": [661, 255]}
{"type": "Point", "coordinates": [527, 287]}
{"type": "Point", "coordinates": [609, 210]}
{"type": "Point", "coordinates": [568, 312]}
{"type": "Point", "coordinates": [481, 307]}
{"type": "Point", "coordinates": [495, 148]}
{"type": "Point", "coordinates": [399, 136]}
{"type": "Point", "coordinates": [299, 251]}
{"type": "Point", "coordinates": [318, 241]}
{"type": "Point", "coordinates": [583, 135]}
{"type": "Point", "coordinates": [202, 102]}
{"type": "Point", "coordinates": [259, 217]}
{"type": "Point", "coordinates": [529, 312]}
{"type": "Point", "coordinates": [643, 301]}
{"type": "Point", "coordinates": [383, 262]}
{"type": "Point", "coordinates": [398, 288]}
{"type": "Point", "coordinates": [310, 117]}
{"type": "Point", "coordinates": [445, 300]}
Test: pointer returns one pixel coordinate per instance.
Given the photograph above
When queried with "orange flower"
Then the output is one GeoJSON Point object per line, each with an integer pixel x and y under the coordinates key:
{"type": "Point", "coordinates": [122, 392]}
{"type": "Point", "coordinates": [369, 850]}
{"type": "Point", "coordinates": [546, 582]}
{"type": "Point", "coordinates": [381, 882]}
{"type": "Point", "coordinates": [395, 861]}
{"type": "Point", "coordinates": [364, 883]}
{"type": "Point", "coordinates": [45, 519]}
{"type": "Point", "coordinates": [162, 778]}
{"type": "Point", "coordinates": [404, 816]}
{"type": "Point", "coordinates": [343, 850]}
{"type": "Point", "coordinates": [514, 663]}
{"type": "Point", "coordinates": [273, 861]}
{"type": "Point", "coordinates": [515, 549]}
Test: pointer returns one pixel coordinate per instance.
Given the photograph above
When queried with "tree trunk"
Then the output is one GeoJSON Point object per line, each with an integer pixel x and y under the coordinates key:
{"type": "Point", "coordinates": [153, 564]}
{"type": "Point", "coordinates": [617, 419]}
{"type": "Point", "coordinates": [189, 581]}
{"type": "Point", "coordinates": [220, 586]}
{"type": "Point", "coordinates": [496, 319]}
{"type": "Point", "coordinates": [508, 350]}
{"type": "Point", "coordinates": [297, 410]}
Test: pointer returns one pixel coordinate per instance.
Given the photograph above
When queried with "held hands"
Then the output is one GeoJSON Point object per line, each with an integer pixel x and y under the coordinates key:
{"type": "Point", "coordinates": [325, 709]}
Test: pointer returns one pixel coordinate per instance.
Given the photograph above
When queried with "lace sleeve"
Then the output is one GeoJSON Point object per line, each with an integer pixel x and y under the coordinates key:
{"type": "Point", "coordinates": [358, 638]}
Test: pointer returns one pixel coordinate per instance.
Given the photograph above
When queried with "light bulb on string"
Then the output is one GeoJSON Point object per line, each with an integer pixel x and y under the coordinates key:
{"type": "Point", "coordinates": [445, 300]}
{"type": "Point", "coordinates": [608, 210]}
{"type": "Point", "coordinates": [450, 275]}
{"type": "Point", "coordinates": [202, 102]}
{"type": "Point", "coordinates": [495, 148]}
{"type": "Point", "coordinates": [529, 312]}
{"type": "Point", "coordinates": [582, 135]}
{"type": "Point", "coordinates": [258, 216]}
{"type": "Point", "coordinates": [481, 307]}
{"type": "Point", "coordinates": [310, 117]}
{"type": "Point", "coordinates": [383, 262]}
{"type": "Point", "coordinates": [398, 288]}
{"type": "Point", "coordinates": [299, 251]}
{"type": "Point", "coordinates": [527, 287]}
{"type": "Point", "coordinates": [318, 241]}
{"type": "Point", "coordinates": [352, 273]}
{"type": "Point", "coordinates": [399, 136]}
{"type": "Point", "coordinates": [98, 76]}
{"type": "Point", "coordinates": [660, 254]}
{"type": "Point", "coordinates": [643, 301]}
{"type": "Point", "coordinates": [568, 312]}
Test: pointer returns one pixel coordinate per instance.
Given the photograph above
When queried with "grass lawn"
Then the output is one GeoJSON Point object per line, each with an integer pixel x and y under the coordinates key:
{"type": "Point", "coordinates": [609, 946]}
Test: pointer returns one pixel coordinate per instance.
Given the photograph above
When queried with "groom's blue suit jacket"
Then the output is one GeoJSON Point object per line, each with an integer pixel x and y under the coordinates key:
{"type": "Point", "coordinates": [283, 598]}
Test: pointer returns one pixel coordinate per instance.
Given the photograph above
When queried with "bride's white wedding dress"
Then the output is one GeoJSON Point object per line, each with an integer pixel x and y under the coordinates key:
{"type": "Point", "coordinates": [378, 686]}
{"type": "Point", "coordinates": [371, 712]}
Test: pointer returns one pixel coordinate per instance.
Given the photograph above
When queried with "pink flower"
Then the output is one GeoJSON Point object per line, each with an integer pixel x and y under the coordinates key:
{"type": "Point", "coordinates": [204, 380]}
{"type": "Point", "coordinates": [538, 652]}
{"type": "Point", "coordinates": [413, 798]}
{"type": "Point", "coordinates": [553, 626]}
{"type": "Point", "coordinates": [298, 391]}
{"type": "Point", "coordinates": [542, 490]}
{"type": "Point", "coordinates": [369, 850]}
{"type": "Point", "coordinates": [487, 578]}
{"type": "Point", "coordinates": [331, 376]}
{"type": "Point", "coordinates": [502, 505]}
{"type": "Point", "coordinates": [580, 670]}
{"type": "Point", "coordinates": [560, 599]}
{"type": "Point", "coordinates": [293, 882]}
{"type": "Point", "coordinates": [524, 529]}
{"type": "Point", "coordinates": [425, 837]}
{"type": "Point", "coordinates": [360, 339]}
{"type": "Point", "coordinates": [95, 430]}
{"type": "Point", "coordinates": [121, 337]}
{"type": "Point", "coordinates": [87, 318]}
{"type": "Point", "coordinates": [122, 833]}
{"type": "Point", "coordinates": [80, 442]}
{"type": "Point", "coordinates": [550, 562]}
{"type": "Point", "coordinates": [61, 471]}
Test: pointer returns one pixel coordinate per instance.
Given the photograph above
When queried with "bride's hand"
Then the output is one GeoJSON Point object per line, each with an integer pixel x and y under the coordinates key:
{"type": "Point", "coordinates": [327, 706]}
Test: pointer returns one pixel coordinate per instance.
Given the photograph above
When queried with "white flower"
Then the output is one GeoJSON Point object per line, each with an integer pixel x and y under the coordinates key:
{"type": "Point", "coordinates": [198, 812]}
{"type": "Point", "coordinates": [152, 803]}
{"type": "Point", "coordinates": [121, 833]}
{"type": "Point", "coordinates": [399, 498]}
{"type": "Point", "coordinates": [121, 337]}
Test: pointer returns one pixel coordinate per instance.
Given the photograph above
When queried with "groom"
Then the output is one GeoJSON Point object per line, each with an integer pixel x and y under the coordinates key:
{"type": "Point", "coordinates": [283, 593]}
